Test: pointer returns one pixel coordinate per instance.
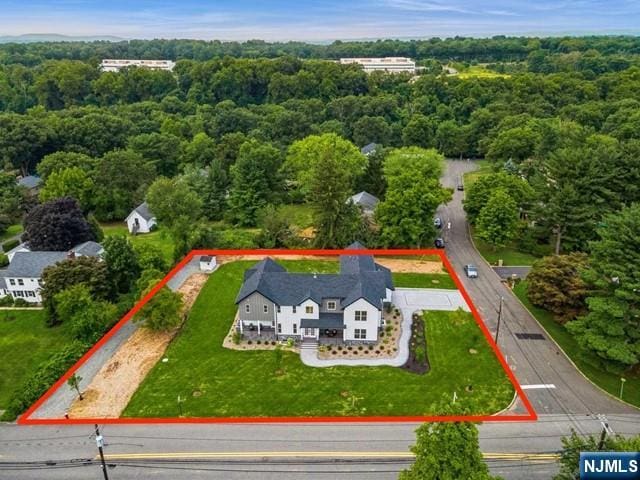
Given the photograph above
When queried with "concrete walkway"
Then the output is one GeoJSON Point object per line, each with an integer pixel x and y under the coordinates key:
{"type": "Point", "coordinates": [408, 301]}
{"type": "Point", "coordinates": [58, 403]}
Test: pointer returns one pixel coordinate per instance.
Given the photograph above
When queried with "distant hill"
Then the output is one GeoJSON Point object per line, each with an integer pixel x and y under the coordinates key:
{"type": "Point", "coordinates": [54, 37]}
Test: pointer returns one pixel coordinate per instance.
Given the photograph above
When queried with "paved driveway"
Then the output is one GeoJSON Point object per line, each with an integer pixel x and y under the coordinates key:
{"type": "Point", "coordinates": [411, 299]}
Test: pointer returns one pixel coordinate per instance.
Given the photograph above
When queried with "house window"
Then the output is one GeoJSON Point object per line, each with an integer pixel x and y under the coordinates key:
{"type": "Point", "coordinates": [360, 333]}
{"type": "Point", "coordinates": [294, 309]}
{"type": "Point", "coordinates": [265, 308]}
{"type": "Point", "coordinates": [20, 281]}
{"type": "Point", "coordinates": [295, 328]}
{"type": "Point", "coordinates": [12, 281]}
{"type": "Point", "coordinates": [247, 308]}
{"type": "Point", "coordinates": [279, 328]}
{"type": "Point", "coordinates": [40, 281]}
{"type": "Point", "coordinates": [31, 294]}
{"type": "Point", "coordinates": [278, 308]}
{"type": "Point", "coordinates": [361, 315]}
{"type": "Point", "coordinates": [308, 309]}
{"type": "Point", "coordinates": [331, 305]}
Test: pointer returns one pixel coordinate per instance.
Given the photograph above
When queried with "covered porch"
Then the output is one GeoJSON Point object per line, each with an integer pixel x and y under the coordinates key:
{"type": "Point", "coordinates": [326, 329]}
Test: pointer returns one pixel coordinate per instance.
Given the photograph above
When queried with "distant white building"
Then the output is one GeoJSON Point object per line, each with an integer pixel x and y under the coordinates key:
{"type": "Point", "coordinates": [140, 220]}
{"type": "Point", "coordinates": [23, 277]}
{"type": "Point", "coordinates": [207, 263]}
{"type": "Point", "coordinates": [386, 64]}
{"type": "Point", "coordinates": [115, 65]}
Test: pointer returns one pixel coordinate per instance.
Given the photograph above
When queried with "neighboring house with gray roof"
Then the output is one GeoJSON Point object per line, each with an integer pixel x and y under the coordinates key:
{"type": "Point", "coordinates": [31, 182]}
{"type": "Point", "coordinates": [140, 220]}
{"type": "Point", "coordinates": [304, 306]}
{"type": "Point", "coordinates": [23, 277]}
{"type": "Point", "coordinates": [369, 149]}
{"type": "Point", "coordinates": [365, 201]}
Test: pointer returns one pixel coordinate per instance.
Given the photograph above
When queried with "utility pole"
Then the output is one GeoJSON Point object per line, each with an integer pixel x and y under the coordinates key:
{"type": "Point", "coordinates": [100, 443]}
{"type": "Point", "coordinates": [499, 319]}
{"type": "Point", "coordinates": [606, 430]}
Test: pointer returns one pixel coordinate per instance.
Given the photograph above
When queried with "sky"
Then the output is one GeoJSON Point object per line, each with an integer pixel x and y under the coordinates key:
{"type": "Point", "coordinates": [318, 20]}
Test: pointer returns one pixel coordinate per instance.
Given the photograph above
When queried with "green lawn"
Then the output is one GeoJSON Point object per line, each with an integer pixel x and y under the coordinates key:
{"type": "Point", "coordinates": [244, 383]}
{"type": "Point", "coordinates": [300, 215]}
{"type": "Point", "coordinates": [25, 342]}
{"type": "Point", "coordinates": [423, 280]}
{"type": "Point", "coordinates": [608, 381]}
{"type": "Point", "coordinates": [509, 254]}
{"type": "Point", "coordinates": [159, 238]}
{"type": "Point", "coordinates": [10, 232]}
{"type": "Point", "coordinates": [480, 71]}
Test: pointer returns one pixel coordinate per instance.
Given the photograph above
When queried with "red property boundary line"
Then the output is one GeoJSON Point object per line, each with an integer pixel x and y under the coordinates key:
{"type": "Point", "coordinates": [529, 416]}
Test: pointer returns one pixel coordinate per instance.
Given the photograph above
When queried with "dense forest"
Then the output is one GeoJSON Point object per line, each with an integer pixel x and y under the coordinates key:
{"type": "Point", "coordinates": [239, 130]}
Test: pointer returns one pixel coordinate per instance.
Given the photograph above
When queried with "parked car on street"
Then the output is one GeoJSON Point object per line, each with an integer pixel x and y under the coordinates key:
{"type": "Point", "coordinates": [439, 242]}
{"type": "Point", "coordinates": [437, 222]}
{"type": "Point", "coordinates": [471, 270]}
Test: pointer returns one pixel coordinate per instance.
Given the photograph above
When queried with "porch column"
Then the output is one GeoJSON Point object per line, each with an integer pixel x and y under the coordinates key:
{"type": "Point", "coordinates": [258, 328]}
{"type": "Point", "coordinates": [240, 322]}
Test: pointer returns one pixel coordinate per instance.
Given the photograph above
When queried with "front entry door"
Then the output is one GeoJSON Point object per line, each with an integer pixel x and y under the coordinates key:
{"type": "Point", "coordinates": [310, 332]}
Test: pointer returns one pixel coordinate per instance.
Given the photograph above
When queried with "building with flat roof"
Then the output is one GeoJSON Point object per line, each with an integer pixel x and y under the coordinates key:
{"type": "Point", "coordinates": [386, 64]}
{"type": "Point", "coordinates": [115, 65]}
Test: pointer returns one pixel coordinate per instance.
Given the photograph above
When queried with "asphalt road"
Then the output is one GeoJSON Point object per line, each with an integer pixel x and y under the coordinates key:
{"type": "Point", "coordinates": [523, 450]}
{"type": "Point", "coordinates": [534, 362]}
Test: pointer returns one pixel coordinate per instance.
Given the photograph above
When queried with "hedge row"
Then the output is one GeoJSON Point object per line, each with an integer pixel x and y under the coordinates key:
{"type": "Point", "coordinates": [9, 244]}
{"type": "Point", "coordinates": [43, 377]}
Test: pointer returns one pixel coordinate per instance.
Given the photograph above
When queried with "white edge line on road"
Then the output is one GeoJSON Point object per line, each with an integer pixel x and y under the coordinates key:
{"type": "Point", "coordinates": [538, 386]}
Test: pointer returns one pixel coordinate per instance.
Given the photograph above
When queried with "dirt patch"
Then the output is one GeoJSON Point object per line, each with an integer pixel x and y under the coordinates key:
{"type": "Point", "coordinates": [410, 266]}
{"type": "Point", "coordinates": [113, 386]}
{"type": "Point", "coordinates": [418, 361]}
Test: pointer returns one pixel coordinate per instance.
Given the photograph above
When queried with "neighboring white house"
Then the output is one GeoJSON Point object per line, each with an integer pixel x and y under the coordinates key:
{"type": "Point", "coordinates": [207, 263]}
{"type": "Point", "coordinates": [115, 65]}
{"type": "Point", "coordinates": [23, 277]}
{"type": "Point", "coordinates": [365, 201]}
{"type": "Point", "coordinates": [140, 220]}
{"type": "Point", "coordinates": [386, 64]}
{"type": "Point", "coordinates": [305, 306]}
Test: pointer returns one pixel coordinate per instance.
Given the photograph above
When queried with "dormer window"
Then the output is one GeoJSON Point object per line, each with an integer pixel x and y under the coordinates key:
{"type": "Point", "coordinates": [331, 305]}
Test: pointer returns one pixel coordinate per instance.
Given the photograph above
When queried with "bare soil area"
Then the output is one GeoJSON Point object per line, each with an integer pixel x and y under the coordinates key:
{"type": "Point", "coordinates": [111, 389]}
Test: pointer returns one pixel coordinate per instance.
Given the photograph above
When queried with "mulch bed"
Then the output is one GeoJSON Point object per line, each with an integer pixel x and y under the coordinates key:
{"type": "Point", "coordinates": [418, 361]}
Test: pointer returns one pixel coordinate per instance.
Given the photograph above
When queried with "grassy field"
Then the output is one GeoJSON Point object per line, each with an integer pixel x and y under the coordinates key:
{"type": "Point", "coordinates": [480, 71]}
{"type": "Point", "coordinates": [423, 280]}
{"type": "Point", "coordinates": [509, 254]}
{"type": "Point", "coordinates": [300, 215]}
{"type": "Point", "coordinates": [25, 342]}
{"type": "Point", "coordinates": [159, 238]}
{"type": "Point", "coordinates": [608, 381]}
{"type": "Point", "coordinates": [10, 232]}
{"type": "Point", "coordinates": [247, 383]}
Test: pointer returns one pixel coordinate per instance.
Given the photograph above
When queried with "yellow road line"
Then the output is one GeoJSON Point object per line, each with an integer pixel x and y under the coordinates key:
{"type": "Point", "coordinates": [366, 455]}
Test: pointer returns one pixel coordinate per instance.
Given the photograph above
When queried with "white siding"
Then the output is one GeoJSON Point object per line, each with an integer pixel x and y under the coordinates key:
{"type": "Point", "coordinates": [286, 318]}
{"type": "Point", "coordinates": [29, 290]}
{"type": "Point", "coordinates": [145, 226]}
{"type": "Point", "coordinates": [371, 324]}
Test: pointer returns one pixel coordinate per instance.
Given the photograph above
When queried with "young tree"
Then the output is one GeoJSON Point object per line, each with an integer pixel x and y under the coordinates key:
{"type": "Point", "coordinates": [555, 284]}
{"type": "Point", "coordinates": [122, 263]}
{"type": "Point", "coordinates": [610, 328]}
{"type": "Point", "coordinates": [70, 182]}
{"type": "Point", "coordinates": [255, 181]}
{"type": "Point", "coordinates": [447, 450]}
{"type": "Point", "coordinates": [326, 168]}
{"type": "Point", "coordinates": [163, 312]}
{"type": "Point", "coordinates": [498, 220]}
{"type": "Point", "coordinates": [74, 382]}
{"type": "Point", "coordinates": [57, 225]}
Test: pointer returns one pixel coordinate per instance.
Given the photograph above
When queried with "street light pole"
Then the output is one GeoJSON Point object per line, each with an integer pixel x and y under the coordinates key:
{"type": "Point", "coordinates": [499, 319]}
{"type": "Point", "coordinates": [622, 380]}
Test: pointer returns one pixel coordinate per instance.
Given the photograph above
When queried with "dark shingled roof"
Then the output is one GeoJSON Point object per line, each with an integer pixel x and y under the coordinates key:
{"type": "Point", "coordinates": [364, 200]}
{"type": "Point", "coordinates": [369, 148]}
{"type": "Point", "coordinates": [206, 258]}
{"type": "Point", "coordinates": [144, 212]}
{"type": "Point", "coordinates": [325, 320]}
{"type": "Point", "coordinates": [88, 249]}
{"type": "Point", "coordinates": [359, 277]}
{"type": "Point", "coordinates": [31, 264]}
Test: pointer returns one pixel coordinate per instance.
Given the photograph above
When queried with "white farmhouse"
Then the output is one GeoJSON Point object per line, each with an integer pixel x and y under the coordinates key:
{"type": "Point", "coordinates": [140, 220]}
{"type": "Point", "coordinates": [306, 306]}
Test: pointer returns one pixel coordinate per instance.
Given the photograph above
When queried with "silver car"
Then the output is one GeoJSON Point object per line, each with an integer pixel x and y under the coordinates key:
{"type": "Point", "coordinates": [471, 271]}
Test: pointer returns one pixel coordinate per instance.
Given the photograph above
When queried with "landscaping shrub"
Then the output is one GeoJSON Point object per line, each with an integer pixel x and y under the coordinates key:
{"type": "Point", "coordinates": [4, 260]}
{"type": "Point", "coordinates": [20, 302]}
{"type": "Point", "coordinates": [9, 244]}
{"type": "Point", "coordinates": [43, 377]}
{"type": "Point", "coordinates": [258, 342]}
{"type": "Point", "coordinates": [249, 342]}
{"type": "Point", "coordinates": [6, 301]}
{"type": "Point", "coordinates": [237, 336]}
{"type": "Point", "coordinates": [360, 347]}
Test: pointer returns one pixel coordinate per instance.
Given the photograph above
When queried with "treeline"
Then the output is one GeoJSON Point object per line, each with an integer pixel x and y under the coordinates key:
{"type": "Point", "coordinates": [495, 49]}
